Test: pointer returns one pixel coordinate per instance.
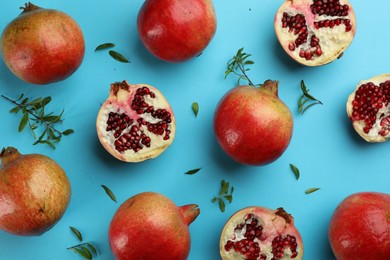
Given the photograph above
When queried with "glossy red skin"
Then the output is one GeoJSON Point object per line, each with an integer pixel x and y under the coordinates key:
{"type": "Point", "coordinates": [176, 30]}
{"type": "Point", "coordinates": [42, 46]}
{"type": "Point", "coordinates": [34, 194]}
{"type": "Point", "coordinates": [252, 125]}
{"type": "Point", "coordinates": [360, 227]}
{"type": "Point", "coordinates": [150, 226]}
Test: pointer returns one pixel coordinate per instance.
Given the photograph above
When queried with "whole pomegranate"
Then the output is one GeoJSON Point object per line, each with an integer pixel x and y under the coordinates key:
{"type": "Point", "coordinates": [260, 233]}
{"type": "Point", "coordinates": [360, 227]}
{"type": "Point", "coordinates": [34, 193]}
{"type": "Point", "coordinates": [252, 125]}
{"type": "Point", "coordinates": [136, 122]}
{"type": "Point", "coordinates": [150, 226]}
{"type": "Point", "coordinates": [315, 32]}
{"type": "Point", "coordinates": [42, 46]}
{"type": "Point", "coordinates": [174, 30]}
{"type": "Point", "coordinates": [369, 110]}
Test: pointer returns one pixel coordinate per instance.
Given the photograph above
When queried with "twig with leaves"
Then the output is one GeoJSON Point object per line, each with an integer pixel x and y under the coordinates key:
{"type": "Point", "coordinates": [34, 116]}
{"type": "Point", "coordinates": [224, 195]}
{"type": "Point", "coordinates": [306, 100]}
{"type": "Point", "coordinates": [237, 65]}
{"type": "Point", "coordinates": [86, 250]}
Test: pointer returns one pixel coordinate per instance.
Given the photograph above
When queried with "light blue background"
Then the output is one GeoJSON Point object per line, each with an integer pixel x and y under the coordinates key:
{"type": "Point", "coordinates": [329, 154]}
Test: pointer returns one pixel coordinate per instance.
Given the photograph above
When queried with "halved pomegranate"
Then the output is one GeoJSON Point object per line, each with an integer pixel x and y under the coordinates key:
{"type": "Point", "coordinates": [315, 32]}
{"type": "Point", "coordinates": [369, 109]}
{"type": "Point", "coordinates": [262, 234]}
{"type": "Point", "coordinates": [136, 122]}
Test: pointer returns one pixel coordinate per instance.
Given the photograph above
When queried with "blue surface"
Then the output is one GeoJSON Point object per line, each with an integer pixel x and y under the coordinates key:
{"type": "Point", "coordinates": [329, 154]}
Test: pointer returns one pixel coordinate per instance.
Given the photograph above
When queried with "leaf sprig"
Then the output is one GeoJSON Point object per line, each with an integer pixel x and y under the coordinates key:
{"type": "Point", "coordinates": [109, 193]}
{"type": "Point", "coordinates": [86, 250]}
{"type": "Point", "coordinates": [225, 194]}
{"type": "Point", "coordinates": [237, 65]}
{"type": "Point", "coordinates": [114, 54]}
{"type": "Point", "coordinates": [306, 100]}
{"type": "Point", "coordinates": [35, 116]}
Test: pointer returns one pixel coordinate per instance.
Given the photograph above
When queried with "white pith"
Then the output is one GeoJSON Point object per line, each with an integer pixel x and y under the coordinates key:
{"type": "Point", "coordinates": [121, 103]}
{"type": "Point", "coordinates": [273, 226]}
{"type": "Point", "coordinates": [333, 41]}
{"type": "Point", "coordinates": [372, 135]}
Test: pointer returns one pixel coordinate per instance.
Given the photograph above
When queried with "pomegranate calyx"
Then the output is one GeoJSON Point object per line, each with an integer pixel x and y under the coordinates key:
{"type": "Point", "coordinates": [116, 86]}
{"type": "Point", "coordinates": [271, 85]}
{"type": "Point", "coordinates": [190, 212]}
{"type": "Point", "coordinates": [282, 213]}
{"type": "Point", "coordinates": [28, 7]}
{"type": "Point", "coordinates": [9, 154]}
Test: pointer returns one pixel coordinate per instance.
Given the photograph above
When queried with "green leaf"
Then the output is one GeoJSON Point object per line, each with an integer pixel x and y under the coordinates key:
{"type": "Point", "coordinates": [15, 110]}
{"type": "Point", "coordinates": [20, 97]}
{"type": "Point", "coordinates": [229, 198]}
{"type": "Point", "coordinates": [224, 187]}
{"type": "Point", "coordinates": [105, 46]}
{"type": "Point", "coordinates": [119, 57]}
{"type": "Point", "coordinates": [195, 108]}
{"type": "Point", "coordinates": [221, 204]}
{"type": "Point", "coordinates": [40, 137]}
{"type": "Point", "coordinates": [23, 122]}
{"type": "Point", "coordinates": [214, 199]}
{"type": "Point", "coordinates": [190, 172]}
{"type": "Point", "coordinates": [35, 101]}
{"type": "Point", "coordinates": [68, 132]}
{"type": "Point", "coordinates": [82, 252]}
{"type": "Point", "coordinates": [93, 248]}
{"type": "Point", "coordinates": [109, 192]}
{"type": "Point", "coordinates": [231, 189]}
{"type": "Point", "coordinates": [311, 190]}
{"type": "Point", "coordinates": [295, 170]}
{"type": "Point", "coordinates": [87, 251]}
{"type": "Point", "coordinates": [24, 101]}
{"type": "Point", "coordinates": [308, 106]}
{"type": "Point", "coordinates": [77, 233]}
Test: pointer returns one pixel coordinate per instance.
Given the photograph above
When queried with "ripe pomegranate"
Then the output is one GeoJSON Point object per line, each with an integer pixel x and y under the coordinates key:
{"type": "Point", "coordinates": [369, 110]}
{"type": "Point", "coordinates": [252, 125]}
{"type": "Point", "coordinates": [360, 227]}
{"type": "Point", "coordinates": [260, 233]}
{"type": "Point", "coordinates": [34, 193]}
{"type": "Point", "coordinates": [42, 46]}
{"type": "Point", "coordinates": [136, 122]}
{"type": "Point", "coordinates": [315, 32]}
{"type": "Point", "coordinates": [150, 226]}
{"type": "Point", "coordinates": [175, 30]}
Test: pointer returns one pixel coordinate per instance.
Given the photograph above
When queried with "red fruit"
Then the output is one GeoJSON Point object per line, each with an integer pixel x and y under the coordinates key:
{"type": "Point", "coordinates": [262, 234]}
{"type": "Point", "coordinates": [315, 32]}
{"type": "Point", "coordinates": [369, 110]}
{"type": "Point", "coordinates": [174, 30]}
{"type": "Point", "coordinates": [252, 125]}
{"type": "Point", "coordinates": [34, 193]}
{"type": "Point", "coordinates": [42, 46]}
{"type": "Point", "coordinates": [360, 227]}
{"type": "Point", "coordinates": [150, 226]}
{"type": "Point", "coordinates": [136, 122]}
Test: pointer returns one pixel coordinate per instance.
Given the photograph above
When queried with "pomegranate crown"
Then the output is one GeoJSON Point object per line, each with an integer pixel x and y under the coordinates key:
{"type": "Point", "coordinates": [28, 7]}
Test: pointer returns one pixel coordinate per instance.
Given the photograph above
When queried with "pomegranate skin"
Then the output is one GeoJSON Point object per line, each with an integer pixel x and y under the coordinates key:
{"type": "Point", "coordinates": [34, 193]}
{"type": "Point", "coordinates": [150, 226]}
{"type": "Point", "coordinates": [174, 30]}
{"type": "Point", "coordinates": [360, 227]}
{"type": "Point", "coordinates": [42, 46]}
{"type": "Point", "coordinates": [252, 125]}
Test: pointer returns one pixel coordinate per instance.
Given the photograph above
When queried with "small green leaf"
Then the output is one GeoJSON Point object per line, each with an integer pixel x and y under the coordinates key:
{"type": "Point", "coordinates": [24, 101]}
{"type": "Point", "coordinates": [109, 192]}
{"type": "Point", "coordinates": [214, 199]}
{"type": "Point", "coordinates": [308, 106]}
{"type": "Point", "coordinates": [311, 190]}
{"type": "Point", "coordinates": [195, 108]}
{"type": "Point", "coordinates": [221, 204]}
{"type": "Point", "coordinates": [15, 110]}
{"type": "Point", "coordinates": [231, 189]}
{"type": "Point", "coordinates": [23, 122]}
{"type": "Point", "coordinates": [87, 251]}
{"type": "Point", "coordinates": [224, 187]}
{"type": "Point", "coordinates": [295, 170]}
{"type": "Point", "coordinates": [119, 57]}
{"type": "Point", "coordinates": [68, 132]}
{"type": "Point", "coordinates": [105, 46]}
{"type": "Point", "coordinates": [20, 97]}
{"type": "Point", "coordinates": [77, 233]}
{"type": "Point", "coordinates": [34, 102]}
{"type": "Point", "coordinates": [93, 248]}
{"type": "Point", "coordinates": [229, 198]}
{"type": "Point", "coordinates": [190, 172]}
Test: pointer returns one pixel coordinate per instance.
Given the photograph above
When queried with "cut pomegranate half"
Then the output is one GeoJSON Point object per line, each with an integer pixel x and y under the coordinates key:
{"type": "Point", "coordinates": [315, 32]}
{"type": "Point", "coordinates": [369, 109]}
{"type": "Point", "coordinates": [136, 122]}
